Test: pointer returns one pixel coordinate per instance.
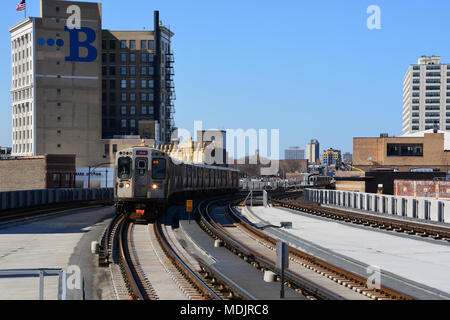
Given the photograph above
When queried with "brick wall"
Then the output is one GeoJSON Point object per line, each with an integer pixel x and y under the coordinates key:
{"type": "Point", "coordinates": [35, 173]}
{"type": "Point", "coordinates": [426, 189]}
{"type": "Point", "coordinates": [18, 175]}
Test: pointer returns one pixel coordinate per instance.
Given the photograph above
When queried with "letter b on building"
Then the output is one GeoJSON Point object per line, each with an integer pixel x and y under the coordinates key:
{"type": "Point", "coordinates": [76, 44]}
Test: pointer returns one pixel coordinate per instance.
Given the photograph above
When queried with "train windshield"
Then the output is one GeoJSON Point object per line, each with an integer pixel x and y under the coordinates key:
{"type": "Point", "coordinates": [124, 168]}
{"type": "Point", "coordinates": [159, 169]}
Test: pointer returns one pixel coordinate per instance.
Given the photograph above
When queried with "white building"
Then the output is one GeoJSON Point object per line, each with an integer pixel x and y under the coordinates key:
{"type": "Point", "coordinates": [426, 96]}
{"type": "Point", "coordinates": [294, 153]}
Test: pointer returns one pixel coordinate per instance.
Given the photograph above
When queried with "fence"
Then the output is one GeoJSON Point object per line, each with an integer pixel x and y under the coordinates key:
{"type": "Point", "coordinates": [415, 208]}
{"type": "Point", "coordinates": [31, 198]}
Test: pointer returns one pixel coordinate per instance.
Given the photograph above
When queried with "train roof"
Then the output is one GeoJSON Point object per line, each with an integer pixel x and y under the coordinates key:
{"type": "Point", "coordinates": [179, 161]}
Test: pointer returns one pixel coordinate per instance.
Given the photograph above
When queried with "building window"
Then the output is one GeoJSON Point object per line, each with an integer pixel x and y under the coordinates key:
{"type": "Point", "coordinates": [151, 84]}
{"type": "Point", "coordinates": [416, 68]}
{"type": "Point", "coordinates": [123, 44]}
{"type": "Point", "coordinates": [399, 150]}
{"type": "Point", "coordinates": [415, 128]}
{"type": "Point", "coordinates": [112, 44]}
{"type": "Point", "coordinates": [123, 70]}
{"type": "Point", "coordinates": [144, 110]}
{"type": "Point", "coordinates": [144, 97]}
{"type": "Point", "coordinates": [433, 80]}
{"type": "Point", "coordinates": [133, 123]}
{"type": "Point", "coordinates": [143, 44]}
{"type": "Point", "coordinates": [132, 83]}
{"type": "Point", "coordinates": [143, 71]}
{"type": "Point", "coordinates": [144, 57]}
{"type": "Point", "coordinates": [433, 94]}
{"type": "Point", "coordinates": [124, 110]}
{"type": "Point", "coordinates": [416, 80]}
{"type": "Point", "coordinates": [112, 57]}
{"type": "Point", "coordinates": [124, 123]}
{"type": "Point", "coordinates": [133, 110]}
{"type": "Point", "coordinates": [433, 74]}
{"type": "Point", "coordinates": [151, 44]}
{"type": "Point", "coordinates": [112, 71]}
{"type": "Point", "coordinates": [433, 101]}
{"type": "Point", "coordinates": [106, 149]}
{"type": "Point", "coordinates": [133, 97]}
{"type": "Point", "coordinates": [416, 74]}
{"type": "Point", "coordinates": [123, 57]}
{"type": "Point", "coordinates": [103, 44]}
{"type": "Point", "coordinates": [133, 57]}
{"type": "Point", "coordinates": [132, 44]}
{"type": "Point", "coordinates": [132, 71]}
{"type": "Point", "coordinates": [123, 84]}
{"type": "Point", "coordinates": [433, 67]}
{"type": "Point", "coordinates": [112, 84]}
{"type": "Point", "coordinates": [56, 180]}
{"type": "Point", "coordinates": [143, 84]}
{"type": "Point", "coordinates": [151, 71]}
{"type": "Point", "coordinates": [124, 97]}
{"type": "Point", "coordinates": [114, 148]}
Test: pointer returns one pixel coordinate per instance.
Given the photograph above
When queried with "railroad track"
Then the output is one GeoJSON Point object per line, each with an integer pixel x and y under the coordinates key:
{"type": "Point", "coordinates": [321, 267]}
{"type": "Point", "coordinates": [305, 263]}
{"type": "Point", "coordinates": [423, 230]}
{"type": "Point", "coordinates": [122, 246]}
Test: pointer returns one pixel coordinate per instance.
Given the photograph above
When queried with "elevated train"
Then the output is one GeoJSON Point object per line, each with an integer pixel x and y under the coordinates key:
{"type": "Point", "coordinates": [146, 179]}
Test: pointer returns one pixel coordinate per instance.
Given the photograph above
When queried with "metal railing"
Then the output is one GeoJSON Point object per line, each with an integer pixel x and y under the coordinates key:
{"type": "Point", "coordinates": [41, 274]}
{"type": "Point", "coordinates": [33, 198]}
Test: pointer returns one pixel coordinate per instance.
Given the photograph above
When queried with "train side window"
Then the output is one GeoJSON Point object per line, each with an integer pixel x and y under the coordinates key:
{"type": "Point", "coordinates": [124, 168]}
{"type": "Point", "coordinates": [159, 169]}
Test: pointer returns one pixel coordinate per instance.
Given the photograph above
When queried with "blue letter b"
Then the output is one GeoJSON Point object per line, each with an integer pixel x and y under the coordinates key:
{"type": "Point", "coordinates": [76, 44]}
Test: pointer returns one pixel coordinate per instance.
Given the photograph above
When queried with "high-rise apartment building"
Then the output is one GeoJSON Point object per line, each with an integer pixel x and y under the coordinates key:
{"type": "Point", "coordinates": [74, 85]}
{"type": "Point", "coordinates": [313, 151]}
{"type": "Point", "coordinates": [426, 96]}
{"type": "Point", "coordinates": [294, 153]}
{"type": "Point", "coordinates": [137, 85]}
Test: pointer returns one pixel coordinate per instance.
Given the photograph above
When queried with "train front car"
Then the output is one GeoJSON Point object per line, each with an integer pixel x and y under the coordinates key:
{"type": "Point", "coordinates": [141, 182]}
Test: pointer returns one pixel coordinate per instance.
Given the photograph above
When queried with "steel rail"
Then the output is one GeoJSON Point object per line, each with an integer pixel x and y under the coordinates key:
{"type": "Point", "coordinates": [182, 267]}
{"type": "Point", "coordinates": [254, 257]}
{"type": "Point", "coordinates": [316, 261]}
{"type": "Point", "coordinates": [135, 289]}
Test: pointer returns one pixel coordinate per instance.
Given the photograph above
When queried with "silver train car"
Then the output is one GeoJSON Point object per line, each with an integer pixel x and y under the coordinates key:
{"type": "Point", "coordinates": [146, 179]}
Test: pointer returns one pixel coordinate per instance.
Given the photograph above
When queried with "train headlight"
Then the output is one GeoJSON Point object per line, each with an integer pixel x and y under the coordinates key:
{"type": "Point", "coordinates": [127, 186]}
{"type": "Point", "coordinates": [155, 187]}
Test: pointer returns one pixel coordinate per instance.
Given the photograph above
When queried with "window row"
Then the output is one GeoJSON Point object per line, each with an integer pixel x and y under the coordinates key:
{"type": "Point", "coordinates": [25, 134]}
{"type": "Point", "coordinates": [128, 44]}
{"type": "Point", "coordinates": [128, 58]}
{"type": "Point", "coordinates": [22, 148]}
{"type": "Point", "coordinates": [145, 110]}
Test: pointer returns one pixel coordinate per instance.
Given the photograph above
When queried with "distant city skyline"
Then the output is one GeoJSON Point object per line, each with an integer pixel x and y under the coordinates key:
{"type": "Point", "coordinates": [334, 73]}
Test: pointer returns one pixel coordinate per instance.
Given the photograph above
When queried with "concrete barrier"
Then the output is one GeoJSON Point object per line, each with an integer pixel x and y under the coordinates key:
{"type": "Point", "coordinates": [427, 209]}
{"type": "Point", "coordinates": [31, 198]}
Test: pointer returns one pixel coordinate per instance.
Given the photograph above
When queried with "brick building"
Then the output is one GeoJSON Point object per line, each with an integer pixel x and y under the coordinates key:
{"type": "Point", "coordinates": [36, 173]}
{"type": "Point", "coordinates": [421, 150]}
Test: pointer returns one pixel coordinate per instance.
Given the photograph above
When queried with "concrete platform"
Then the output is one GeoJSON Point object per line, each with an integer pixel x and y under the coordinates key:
{"type": "Point", "coordinates": [54, 242]}
{"type": "Point", "coordinates": [419, 266]}
{"type": "Point", "coordinates": [251, 279]}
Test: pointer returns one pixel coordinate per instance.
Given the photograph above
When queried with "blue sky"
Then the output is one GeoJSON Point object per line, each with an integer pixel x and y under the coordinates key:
{"type": "Point", "coordinates": [309, 68]}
